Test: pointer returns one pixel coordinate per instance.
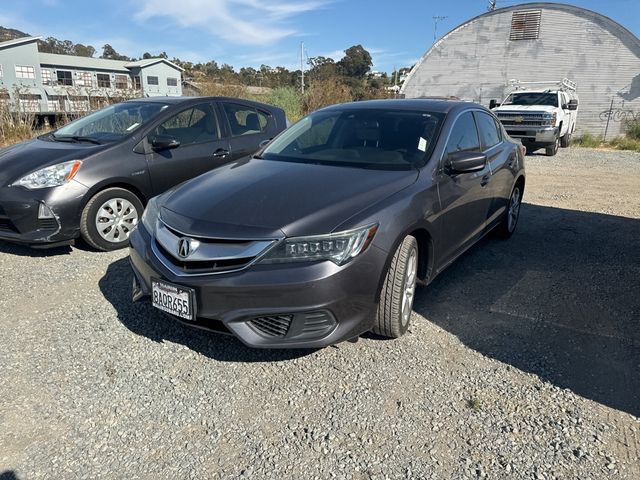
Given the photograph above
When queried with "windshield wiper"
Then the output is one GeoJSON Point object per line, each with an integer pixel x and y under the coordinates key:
{"type": "Point", "coordinates": [75, 138]}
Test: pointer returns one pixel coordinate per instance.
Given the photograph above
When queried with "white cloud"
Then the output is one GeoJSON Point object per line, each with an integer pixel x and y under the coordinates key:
{"type": "Point", "coordinates": [245, 22]}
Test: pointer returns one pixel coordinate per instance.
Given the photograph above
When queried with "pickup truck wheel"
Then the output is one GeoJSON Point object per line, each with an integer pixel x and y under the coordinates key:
{"type": "Point", "coordinates": [530, 150]}
{"type": "Point", "coordinates": [565, 141]}
{"type": "Point", "coordinates": [109, 217]}
{"type": "Point", "coordinates": [553, 149]}
{"type": "Point", "coordinates": [398, 291]}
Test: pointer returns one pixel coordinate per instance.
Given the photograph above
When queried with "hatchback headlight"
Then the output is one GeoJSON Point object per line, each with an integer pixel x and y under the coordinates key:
{"type": "Point", "coordinates": [150, 215]}
{"type": "Point", "coordinates": [53, 176]}
{"type": "Point", "coordinates": [340, 247]}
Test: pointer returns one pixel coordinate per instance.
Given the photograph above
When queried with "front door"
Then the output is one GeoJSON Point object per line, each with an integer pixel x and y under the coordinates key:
{"type": "Point", "coordinates": [201, 148]}
{"type": "Point", "coordinates": [463, 196]}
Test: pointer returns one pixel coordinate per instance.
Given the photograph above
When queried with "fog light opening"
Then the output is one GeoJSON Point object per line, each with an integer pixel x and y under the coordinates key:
{"type": "Point", "coordinates": [45, 212]}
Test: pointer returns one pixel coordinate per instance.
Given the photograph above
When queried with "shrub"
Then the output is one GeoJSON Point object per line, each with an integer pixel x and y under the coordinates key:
{"type": "Point", "coordinates": [326, 92]}
{"type": "Point", "coordinates": [15, 126]}
{"type": "Point", "coordinates": [289, 99]}
{"type": "Point", "coordinates": [632, 128]}
{"type": "Point", "coordinates": [588, 141]}
{"type": "Point", "coordinates": [626, 143]}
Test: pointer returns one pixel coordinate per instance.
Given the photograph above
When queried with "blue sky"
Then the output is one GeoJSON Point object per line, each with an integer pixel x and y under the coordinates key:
{"type": "Point", "coordinates": [253, 32]}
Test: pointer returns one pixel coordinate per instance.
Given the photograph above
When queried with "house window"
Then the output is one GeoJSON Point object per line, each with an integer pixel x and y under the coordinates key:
{"type": "Point", "coordinates": [152, 80]}
{"type": "Point", "coordinates": [104, 80]}
{"type": "Point", "coordinates": [64, 78]}
{"type": "Point", "coordinates": [79, 103]}
{"type": "Point", "coordinates": [137, 83]}
{"type": "Point", "coordinates": [172, 82]}
{"type": "Point", "coordinates": [525, 25]}
{"type": "Point", "coordinates": [29, 102]}
{"type": "Point", "coordinates": [55, 103]}
{"type": "Point", "coordinates": [25, 71]}
{"type": "Point", "coordinates": [47, 79]}
{"type": "Point", "coordinates": [122, 82]}
{"type": "Point", "coordinates": [83, 79]}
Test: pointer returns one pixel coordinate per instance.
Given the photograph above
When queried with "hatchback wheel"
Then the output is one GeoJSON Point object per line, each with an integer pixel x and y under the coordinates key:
{"type": "Point", "coordinates": [510, 219]}
{"type": "Point", "coordinates": [109, 217]}
{"type": "Point", "coordinates": [398, 291]}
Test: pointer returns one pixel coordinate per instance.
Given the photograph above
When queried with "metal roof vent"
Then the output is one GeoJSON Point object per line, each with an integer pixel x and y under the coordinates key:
{"type": "Point", "coordinates": [525, 25]}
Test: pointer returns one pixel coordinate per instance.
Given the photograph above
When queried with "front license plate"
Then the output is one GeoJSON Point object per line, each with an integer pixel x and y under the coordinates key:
{"type": "Point", "coordinates": [173, 299]}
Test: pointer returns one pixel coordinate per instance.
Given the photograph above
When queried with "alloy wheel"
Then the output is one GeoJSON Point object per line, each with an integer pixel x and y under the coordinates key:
{"type": "Point", "coordinates": [409, 287]}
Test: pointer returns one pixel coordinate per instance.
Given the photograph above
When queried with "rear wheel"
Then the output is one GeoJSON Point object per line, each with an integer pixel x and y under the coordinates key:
{"type": "Point", "coordinates": [511, 216]}
{"type": "Point", "coordinates": [398, 291]}
{"type": "Point", "coordinates": [565, 141]}
{"type": "Point", "coordinates": [109, 217]}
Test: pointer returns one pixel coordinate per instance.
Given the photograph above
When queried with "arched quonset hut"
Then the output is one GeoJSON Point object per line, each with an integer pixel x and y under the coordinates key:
{"type": "Point", "coordinates": [538, 42]}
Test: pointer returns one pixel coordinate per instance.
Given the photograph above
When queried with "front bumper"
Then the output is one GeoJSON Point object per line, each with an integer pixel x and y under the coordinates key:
{"type": "Point", "coordinates": [19, 214]}
{"type": "Point", "coordinates": [534, 135]}
{"type": "Point", "coordinates": [345, 297]}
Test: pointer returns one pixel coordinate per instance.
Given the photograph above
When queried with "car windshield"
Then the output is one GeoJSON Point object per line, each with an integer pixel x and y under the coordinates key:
{"type": "Point", "coordinates": [365, 138]}
{"type": "Point", "coordinates": [111, 123]}
{"type": "Point", "coordinates": [532, 98]}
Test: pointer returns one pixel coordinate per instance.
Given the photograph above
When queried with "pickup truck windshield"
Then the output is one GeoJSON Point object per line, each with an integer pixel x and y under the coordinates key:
{"type": "Point", "coordinates": [364, 138]}
{"type": "Point", "coordinates": [532, 98]}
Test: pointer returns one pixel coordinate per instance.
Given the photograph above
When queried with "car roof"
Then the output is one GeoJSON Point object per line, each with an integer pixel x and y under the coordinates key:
{"type": "Point", "coordinates": [419, 104]}
{"type": "Point", "coordinates": [188, 100]}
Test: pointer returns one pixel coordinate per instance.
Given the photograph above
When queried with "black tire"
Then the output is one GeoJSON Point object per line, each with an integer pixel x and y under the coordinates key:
{"type": "Point", "coordinates": [506, 228]}
{"type": "Point", "coordinates": [88, 221]}
{"type": "Point", "coordinates": [565, 142]}
{"type": "Point", "coordinates": [391, 321]}
{"type": "Point", "coordinates": [530, 150]}
{"type": "Point", "coordinates": [552, 149]}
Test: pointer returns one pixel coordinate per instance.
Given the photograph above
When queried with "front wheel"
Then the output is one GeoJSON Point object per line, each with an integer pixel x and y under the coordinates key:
{"type": "Point", "coordinates": [109, 217]}
{"type": "Point", "coordinates": [552, 149]}
{"type": "Point", "coordinates": [511, 216]}
{"type": "Point", "coordinates": [565, 142]}
{"type": "Point", "coordinates": [398, 291]}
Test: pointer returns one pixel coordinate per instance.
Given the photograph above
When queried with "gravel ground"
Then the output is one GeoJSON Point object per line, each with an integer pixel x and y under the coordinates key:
{"type": "Point", "coordinates": [522, 362]}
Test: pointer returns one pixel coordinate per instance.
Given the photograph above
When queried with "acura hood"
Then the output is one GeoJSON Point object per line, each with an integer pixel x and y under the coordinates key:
{"type": "Point", "coordinates": [265, 198]}
{"type": "Point", "coordinates": [18, 160]}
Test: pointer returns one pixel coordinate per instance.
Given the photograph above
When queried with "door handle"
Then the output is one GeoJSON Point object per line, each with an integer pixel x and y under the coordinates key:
{"type": "Point", "coordinates": [220, 153]}
{"type": "Point", "coordinates": [485, 180]}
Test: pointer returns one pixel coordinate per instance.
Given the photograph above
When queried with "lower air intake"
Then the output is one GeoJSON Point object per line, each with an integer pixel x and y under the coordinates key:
{"type": "Point", "coordinates": [273, 325]}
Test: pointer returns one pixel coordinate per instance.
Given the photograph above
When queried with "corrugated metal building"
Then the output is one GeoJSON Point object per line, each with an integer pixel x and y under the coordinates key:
{"type": "Point", "coordinates": [538, 42]}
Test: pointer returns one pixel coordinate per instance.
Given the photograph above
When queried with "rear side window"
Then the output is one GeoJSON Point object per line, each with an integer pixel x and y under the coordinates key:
{"type": "Point", "coordinates": [464, 135]}
{"type": "Point", "coordinates": [245, 120]}
{"type": "Point", "coordinates": [194, 125]}
{"type": "Point", "coordinates": [489, 133]}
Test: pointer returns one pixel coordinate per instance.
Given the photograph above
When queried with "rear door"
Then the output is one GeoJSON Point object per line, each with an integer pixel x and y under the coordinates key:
{"type": "Point", "coordinates": [500, 157]}
{"type": "Point", "coordinates": [202, 147]}
{"type": "Point", "coordinates": [247, 126]}
{"type": "Point", "coordinates": [463, 196]}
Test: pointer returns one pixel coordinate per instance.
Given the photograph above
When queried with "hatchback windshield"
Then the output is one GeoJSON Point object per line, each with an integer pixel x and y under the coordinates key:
{"type": "Point", "coordinates": [111, 123]}
{"type": "Point", "coordinates": [366, 138]}
{"type": "Point", "coordinates": [532, 98]}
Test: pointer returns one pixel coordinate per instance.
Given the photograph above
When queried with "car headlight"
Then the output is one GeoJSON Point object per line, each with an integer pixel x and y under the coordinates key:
{"type": "Point", "coordinates": [150, 215]}
{"type": "Point", "coordinates": [53, 176]}
{"type": "Point", "coordinates": [340, 247]}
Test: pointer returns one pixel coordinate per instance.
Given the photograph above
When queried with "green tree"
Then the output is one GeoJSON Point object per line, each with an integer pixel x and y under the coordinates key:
{"type": "Point", "coordinates": [356, 62]}
{"type": "Point", "coordinates": [110, 53]}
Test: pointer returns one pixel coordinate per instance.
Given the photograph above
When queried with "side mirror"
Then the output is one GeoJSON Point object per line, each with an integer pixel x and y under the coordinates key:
{"type": "Point", "coordinates": [493, 104]}
{"type": "Point", "coordinates": [164, 142]}
{"type": "Point", "coordinates": [466, 162]}
{"type": "Point", "coordinates": [573, 104]}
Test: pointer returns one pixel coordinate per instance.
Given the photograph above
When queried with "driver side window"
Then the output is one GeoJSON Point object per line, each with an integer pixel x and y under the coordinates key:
{"type": "Point", "coordinates": [192, 126]}
{"type": "Point", "coordinates": [464, 135]}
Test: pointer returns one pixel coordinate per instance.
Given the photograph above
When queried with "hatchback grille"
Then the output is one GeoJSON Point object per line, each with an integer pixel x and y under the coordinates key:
{"type": "Point", "coordinates": [272, 326]}
{"type": "Point", "coordinates": [7, 225]}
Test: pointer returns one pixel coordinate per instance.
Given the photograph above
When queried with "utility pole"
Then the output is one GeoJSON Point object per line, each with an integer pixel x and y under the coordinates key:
{"type": "Point", "coordinates": [435, 27]}
{"type": "Point", "coordinates": [492, 5]}
{"type": "Point", "coordinates": [302, 67]}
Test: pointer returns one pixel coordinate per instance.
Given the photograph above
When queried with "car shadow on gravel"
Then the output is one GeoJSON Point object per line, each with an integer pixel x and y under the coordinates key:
{"type": "Point", "coordinates": [560, 299]}
{"type": "Point", "coordinates": [26, 251]}
{"type": "Point", "coordinates": [142, 319]}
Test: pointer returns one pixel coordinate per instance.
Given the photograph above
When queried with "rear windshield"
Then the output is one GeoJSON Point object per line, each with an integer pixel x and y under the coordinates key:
{"type": "Point", "coordinates": [366, 138]}
{"type": "Point", "coordinates": [532, 98]}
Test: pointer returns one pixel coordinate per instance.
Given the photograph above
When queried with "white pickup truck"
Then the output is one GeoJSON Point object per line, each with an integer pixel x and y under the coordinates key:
{"type": "Point", "coordinates": [539, 117]}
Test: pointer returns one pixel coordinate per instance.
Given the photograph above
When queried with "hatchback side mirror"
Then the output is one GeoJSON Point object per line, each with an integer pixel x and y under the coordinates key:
{"type": "Point", "coordinates": [466, 162]}
{"type": "Point", "coordinates": [573, 104]}
{"type": "Point", "coordinates": [164, 142]}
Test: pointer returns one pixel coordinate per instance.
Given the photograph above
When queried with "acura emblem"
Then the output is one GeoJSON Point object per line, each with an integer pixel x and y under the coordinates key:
{"type": "Point", "coordinates": [186, 246]}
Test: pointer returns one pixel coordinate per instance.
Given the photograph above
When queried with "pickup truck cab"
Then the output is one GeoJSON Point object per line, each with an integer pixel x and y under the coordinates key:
{"type": "Point", "coordinates": [540, 118]}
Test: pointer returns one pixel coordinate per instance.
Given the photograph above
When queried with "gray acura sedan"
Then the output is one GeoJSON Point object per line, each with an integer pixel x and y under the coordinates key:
{"type": "Point", "coordinates": [324, 234]}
